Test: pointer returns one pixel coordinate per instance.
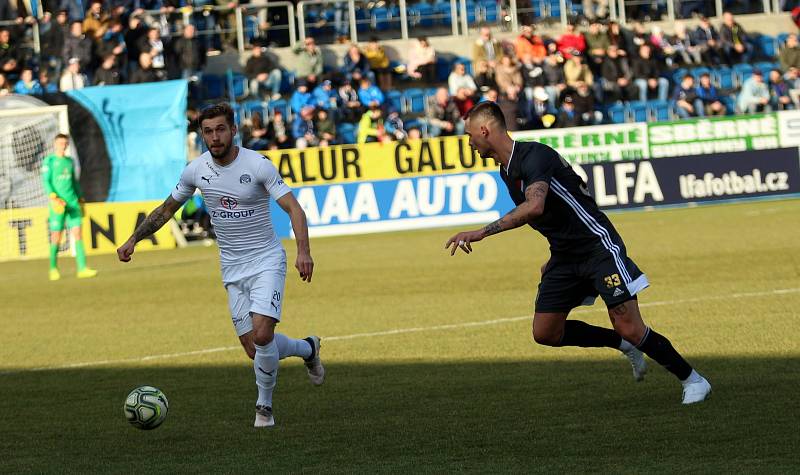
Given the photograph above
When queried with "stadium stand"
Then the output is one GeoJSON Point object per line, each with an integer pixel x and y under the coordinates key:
{"type": "Point", "coordinates": [85, 40]}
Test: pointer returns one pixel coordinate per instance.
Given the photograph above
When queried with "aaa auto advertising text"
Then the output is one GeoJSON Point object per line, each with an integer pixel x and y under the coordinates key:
{"type": "Point", "coordinates": [479, 197]}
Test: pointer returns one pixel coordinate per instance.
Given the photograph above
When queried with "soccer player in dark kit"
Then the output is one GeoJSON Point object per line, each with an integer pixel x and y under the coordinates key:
{"type": "Point", "coordinates": [588, 257]}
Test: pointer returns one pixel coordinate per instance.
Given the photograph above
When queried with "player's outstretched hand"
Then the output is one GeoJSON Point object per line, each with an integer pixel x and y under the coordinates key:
{"type": "Point", "coordinates": [463, 240]}
{"type": "Point", "coordinates": [125, 251]}
{"type": "Point", "coordinates": [305, 265]}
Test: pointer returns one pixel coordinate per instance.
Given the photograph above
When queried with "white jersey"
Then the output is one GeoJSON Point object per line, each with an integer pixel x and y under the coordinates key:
{"type": "Point", "coordinates": [237, 197]}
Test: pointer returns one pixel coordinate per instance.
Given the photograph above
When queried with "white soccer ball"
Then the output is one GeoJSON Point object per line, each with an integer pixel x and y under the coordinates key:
{"type": "Point", "coordinates": [146, 407]}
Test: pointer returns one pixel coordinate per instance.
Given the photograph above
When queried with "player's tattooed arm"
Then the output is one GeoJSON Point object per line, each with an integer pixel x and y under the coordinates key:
{"type": "Point", "coordinates": [535, 196]}
{"type": "Point", "coordinates": [533, 206]}
{"type": "Point", "coordinates": [156, 219]}
{"type": "Point", "coordinates": [150, 225]}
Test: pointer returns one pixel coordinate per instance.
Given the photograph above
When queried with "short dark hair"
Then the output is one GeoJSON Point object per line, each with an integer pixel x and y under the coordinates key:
{"type": "Point", "coordinates": [487, 111]}
{"type": "Point", "coordinates": [62, 136]}
{"type": "Point", "coordinates": [217, 110]}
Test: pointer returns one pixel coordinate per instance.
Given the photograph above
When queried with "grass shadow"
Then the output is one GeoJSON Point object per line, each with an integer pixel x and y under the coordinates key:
{"type": "Point", "coordinates": [525, 416]}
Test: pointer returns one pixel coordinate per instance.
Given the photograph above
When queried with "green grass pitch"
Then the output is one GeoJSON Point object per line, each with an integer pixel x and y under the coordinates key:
{"type": "Point", "coordinates": [460, 386]}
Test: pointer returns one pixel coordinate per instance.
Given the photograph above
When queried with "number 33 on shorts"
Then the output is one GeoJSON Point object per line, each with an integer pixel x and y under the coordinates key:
{"type": "Point", "coordinates": [612, 281]}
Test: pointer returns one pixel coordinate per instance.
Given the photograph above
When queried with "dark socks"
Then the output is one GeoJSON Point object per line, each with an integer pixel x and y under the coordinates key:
{"type": "Point", "coordinates": [578, 333]}
{"type": "Point", "coordinates": [656, 346]}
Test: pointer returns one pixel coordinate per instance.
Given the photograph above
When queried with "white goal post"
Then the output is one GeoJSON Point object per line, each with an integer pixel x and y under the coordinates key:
{"type": "Point", "coordinates": [26, 136]}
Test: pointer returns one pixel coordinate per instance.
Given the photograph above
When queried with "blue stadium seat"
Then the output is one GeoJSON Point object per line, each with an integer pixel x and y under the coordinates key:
{"type": "Point", "coordinates": [429, 92]}
{"type": "Point", "coordinates": [724, 78]}
{"type": "Point", "coordinates": [250, 107]}
{"type": "Point", "coordinates": [362, 14]}
{"type": "Point", "coordinates": [742, 72]}
{"type": "Point", "coordinates": [347, 132]}
{"type": "Point", "coordinates": [659, 110]}
{"type": "Point", "coordinates": [637, 111]}
{"type": "Point", "coordinates": [415, 100]}
{"type": "Point", "coordinates": [443, 11]}
{"type": "Point", "coordinates": [380, 18]}
{"type": "Point", "coordinates": [490, 10]}
{"type": "Point", "coordinates": [423, 13]}
{"type": "Point", "coordinates": [395, 100]}
{"type": "Point", "coordinates": [766, 45]}
{"type": "Point", "coordinates": [443, 68]}
{"type": "Point", "coordinates": [730, 104]}
{"type": "Point", "coordinates": [287, 82]}
{"type": "Point", "coordinates": [552, 8]}
{"type": "Point", "coordinates": [282, 106]}
{"type": "Point", "coordinates": [237, 86]}
{"type": "Point", "coordinates": [237, 113]}
{"type": "Point", "coordinates": [697, 72]}
{"type": "Point", "coordinates": [616, 114]}
{"type": "Point", "coordinates": [213, 86]}
{"type": "Point", "coordinates": [678, 75]}
{"type": "Point", "coordinates": [472, 12]}
{"type": "Point", "coordinates": [329, 14]}
{"type": "Point", "coordinates": [766, 67]}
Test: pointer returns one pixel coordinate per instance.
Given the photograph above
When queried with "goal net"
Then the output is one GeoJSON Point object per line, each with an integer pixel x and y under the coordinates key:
{"type": "Point", "coordinates": [26, 137]}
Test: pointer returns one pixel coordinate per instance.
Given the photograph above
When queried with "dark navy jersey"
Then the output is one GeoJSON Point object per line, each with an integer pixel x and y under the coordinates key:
{"type": "Point", "coordinates": [572, 223]}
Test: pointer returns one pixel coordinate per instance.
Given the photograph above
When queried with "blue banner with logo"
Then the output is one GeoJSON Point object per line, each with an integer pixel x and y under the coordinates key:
{"type": "Point", "coordinates": [144, 127]}
{"type": "Point", "coordinates": [400, 204]}
{"type": "Point", "coordinates": [697, 179]}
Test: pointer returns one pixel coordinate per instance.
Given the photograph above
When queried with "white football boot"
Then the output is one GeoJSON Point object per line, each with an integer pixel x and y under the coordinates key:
{"type": "Point", "coordinates": [639, 365]}
{"type": "Point", "coordinates": [316, 373]}
{"type": "Point", "coordinates": [696, 391]}
{"type": "Point", "coordinates": [264, 417]}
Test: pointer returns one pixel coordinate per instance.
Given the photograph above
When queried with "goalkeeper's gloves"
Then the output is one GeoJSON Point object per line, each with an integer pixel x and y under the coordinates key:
{"type": "Point", "coordinates": [57, 203]}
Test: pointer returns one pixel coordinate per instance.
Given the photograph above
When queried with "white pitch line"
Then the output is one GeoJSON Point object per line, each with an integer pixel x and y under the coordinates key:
{"type": "Point", "coordinates": [399, 331]}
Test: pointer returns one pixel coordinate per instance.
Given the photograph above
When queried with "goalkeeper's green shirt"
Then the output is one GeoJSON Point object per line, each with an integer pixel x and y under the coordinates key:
{"type": "Point", "coordinates": [58, 175]}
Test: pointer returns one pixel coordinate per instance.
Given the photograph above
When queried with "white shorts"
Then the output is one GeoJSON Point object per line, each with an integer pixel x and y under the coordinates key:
{"type": "Point", "coordinates": [260, 293]}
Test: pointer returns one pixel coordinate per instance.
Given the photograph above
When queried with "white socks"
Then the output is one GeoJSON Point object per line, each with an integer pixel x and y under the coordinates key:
{"type": "Point", "coordinates": [626, 346]}
{"type": "Point", "coordinates": [265, 365]}
{"type": "Point", "coordinates": [292, 347]}
{"type": "Point", "coordinates": [694, 377]}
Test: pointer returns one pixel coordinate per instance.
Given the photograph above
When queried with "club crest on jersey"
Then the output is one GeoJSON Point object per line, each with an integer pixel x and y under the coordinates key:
{"type": "Point", "coordinates": [228, 203]}
{"type": "Point", "coordinates": [244, 179]}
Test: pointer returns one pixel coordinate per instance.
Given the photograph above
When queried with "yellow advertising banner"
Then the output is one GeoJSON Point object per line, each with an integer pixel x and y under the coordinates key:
{"type": "Point", "coordinates": [24, 233]}
{"type": "Point", "coordinates": [378, 161]}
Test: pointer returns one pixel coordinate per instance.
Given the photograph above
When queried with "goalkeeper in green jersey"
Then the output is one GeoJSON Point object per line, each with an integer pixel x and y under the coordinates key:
{"type": "Point", "coordinates": [66, 206]}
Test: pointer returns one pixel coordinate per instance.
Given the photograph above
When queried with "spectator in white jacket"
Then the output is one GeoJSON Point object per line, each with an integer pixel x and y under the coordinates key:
{"type": "Point", "coordinates": [73, 77]}
{"type": "Point", "coordinates": [459, 79]}
{"type": "Point", "coordinates": [755, 94]}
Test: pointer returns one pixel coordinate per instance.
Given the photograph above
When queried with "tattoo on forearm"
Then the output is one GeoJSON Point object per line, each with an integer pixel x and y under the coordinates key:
{"type": "Point", "coordinates": [514, 219]}
{"type": "Point", "coordinates": [151, 224]}
{"type": "Point", "coordinates": [493, 228]}
{"type": "Point", "coordinates": [537, 191]}
{"type": "Point", "coordinates": [519, 215]}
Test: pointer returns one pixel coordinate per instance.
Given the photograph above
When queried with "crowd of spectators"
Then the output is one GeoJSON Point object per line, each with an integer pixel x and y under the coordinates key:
{"type": "Point", "coordinates": [539, 81]}
{"type": "Point", "coordinates": [131, 42]}
{"type": "Point", "coordinates": [543, 82]}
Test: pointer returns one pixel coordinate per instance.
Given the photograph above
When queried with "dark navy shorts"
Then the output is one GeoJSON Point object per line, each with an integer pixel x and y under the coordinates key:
{"type": "Point", "coordinates": [568, 283]}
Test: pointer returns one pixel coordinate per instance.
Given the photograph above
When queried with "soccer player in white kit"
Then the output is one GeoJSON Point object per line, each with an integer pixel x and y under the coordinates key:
{"type": "Point", "coordinates": [236, 184]}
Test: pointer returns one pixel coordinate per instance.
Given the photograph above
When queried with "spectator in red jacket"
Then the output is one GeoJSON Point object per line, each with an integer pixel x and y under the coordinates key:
{"type": "Point", "coordinates": [571, 41]}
